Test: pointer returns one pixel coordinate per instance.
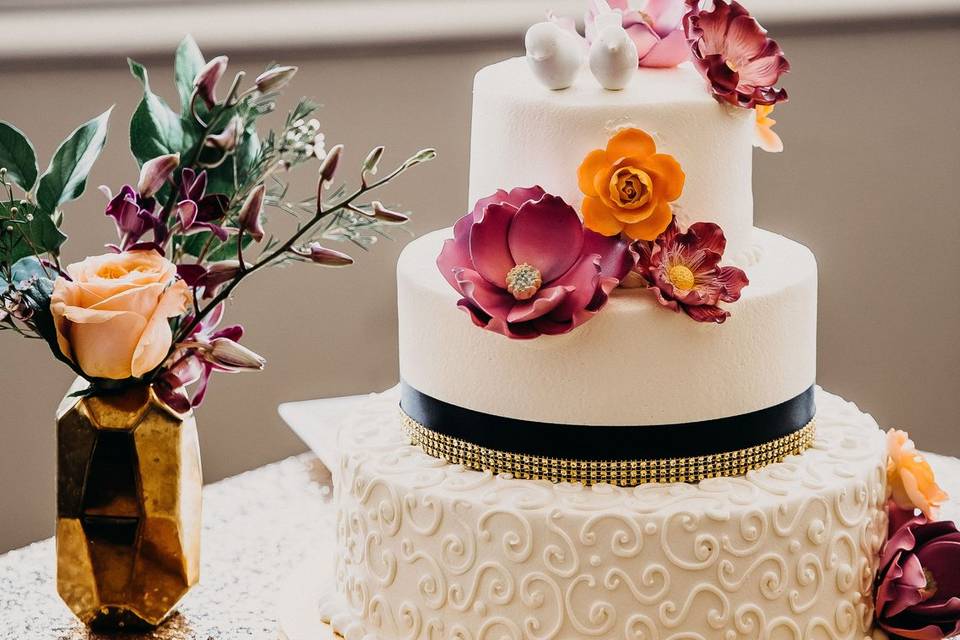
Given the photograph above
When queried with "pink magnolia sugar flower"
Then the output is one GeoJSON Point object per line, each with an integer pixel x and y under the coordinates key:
{"type": "Point", "coordinates": [732, 51]}
{"type": "Point", "coordinates": [525, 266]}
{"type": "Point", "coordinates": [655, 29]}
{"type": "Point", "coordinates": [918, 585]}
{"type": "Point", "coordinates": [683, 270]}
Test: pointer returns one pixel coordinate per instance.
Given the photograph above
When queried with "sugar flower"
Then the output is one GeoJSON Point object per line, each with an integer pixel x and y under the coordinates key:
{"type": "Point", "coordinates": [628, 187]}
{"type": "Point", "coordinates": [682, 270]}
{"type": "Point", "coordinates": [732, 51]}
{"type": "Point", "coordinates": [764, 135]}
{"type": "Point", "coordinates": [918, 586]}
{"type": "Point", "coordinates": [910, 480]}
{"type": "Point", "coordinates": [655, 29]}
{"type": "Point", "coordinates": [525, 266]}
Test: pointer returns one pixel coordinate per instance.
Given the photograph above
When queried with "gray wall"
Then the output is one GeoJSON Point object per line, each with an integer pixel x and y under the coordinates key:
{"type": "Point", "coordinates": [868, 181]}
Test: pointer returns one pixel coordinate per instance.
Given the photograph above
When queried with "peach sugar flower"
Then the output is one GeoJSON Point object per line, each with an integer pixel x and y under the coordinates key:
{"type": "Point", "coordinates": [764, 135]}
{"type": "Point", "coordinates": [628, 187]}
{"type": "Point", "coordinates": [910, 480]}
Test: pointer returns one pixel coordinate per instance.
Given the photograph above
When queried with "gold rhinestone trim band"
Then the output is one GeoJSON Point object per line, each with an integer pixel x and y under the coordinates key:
{"type": "Point", "coordinates": [624, 473]}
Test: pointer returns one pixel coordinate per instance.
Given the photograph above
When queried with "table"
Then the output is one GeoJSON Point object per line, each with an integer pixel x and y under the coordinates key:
{"type": "Point", "coordinates": [263, 531]}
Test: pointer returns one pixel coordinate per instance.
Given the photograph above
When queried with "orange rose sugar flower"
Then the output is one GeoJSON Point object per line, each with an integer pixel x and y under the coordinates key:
{"type": "Point", "coordinates": [910, 480]}
{"type": "Point", "coordinates": [628, 187]}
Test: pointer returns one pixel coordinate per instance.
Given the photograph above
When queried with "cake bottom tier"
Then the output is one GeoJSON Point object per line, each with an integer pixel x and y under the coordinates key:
{"type": "Point", "coordinates": [429, 550]}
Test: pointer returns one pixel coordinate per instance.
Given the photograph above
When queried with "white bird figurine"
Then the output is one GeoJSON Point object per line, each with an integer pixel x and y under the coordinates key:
{"type": "Point", "coordinates": [613, 55]}
{"type": "Point", "coordinates": [555, 55]}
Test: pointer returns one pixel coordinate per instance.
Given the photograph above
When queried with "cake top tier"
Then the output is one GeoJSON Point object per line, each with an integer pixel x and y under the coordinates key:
{"type": "Point", "coordinates": [524, 134]}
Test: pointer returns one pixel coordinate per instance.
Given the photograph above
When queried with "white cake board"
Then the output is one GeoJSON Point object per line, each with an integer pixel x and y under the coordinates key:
{"type": "Point", "coordinates": [317, 422]}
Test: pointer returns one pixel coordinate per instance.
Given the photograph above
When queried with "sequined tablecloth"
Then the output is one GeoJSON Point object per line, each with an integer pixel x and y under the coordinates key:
{"type": "Point", "coordinates": [258, 528]}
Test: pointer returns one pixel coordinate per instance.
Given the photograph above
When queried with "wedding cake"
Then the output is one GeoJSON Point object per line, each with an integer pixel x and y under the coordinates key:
{"type": "Point", "coordinates": [608, 422]}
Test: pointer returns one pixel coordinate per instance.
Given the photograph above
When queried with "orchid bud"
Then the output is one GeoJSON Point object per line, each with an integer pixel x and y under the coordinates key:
{"type": "Point", "coordinates": [372, 161]}
{"type": "Point", "coordinates": [329, 167]}
{"type": "Point", "coordinates": [388, 216]}
{"type": "Point", "coordinates": [221, 272]}
{"type": "Point", "coordinates": [228, 139]}
{"type": "Point", "coordinates": [205, 84]}
{"type": "Point", "coordinates": [154, 173]}
{"type": "Point", "coordinates": [249, 217]}
{"type": "Point", "coordinates": [326, 257]}
{"type": "Point", "coordinates": [233, 356]}
{"type": "Point", "coordinates": [275, 78]}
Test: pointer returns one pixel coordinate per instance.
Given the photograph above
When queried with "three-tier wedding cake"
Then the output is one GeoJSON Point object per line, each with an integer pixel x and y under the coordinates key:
{"type": "Point", "coordinates": [609, 425]}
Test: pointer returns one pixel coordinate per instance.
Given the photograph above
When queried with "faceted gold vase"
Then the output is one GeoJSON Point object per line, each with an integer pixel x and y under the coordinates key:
{"type": "Point", "coordinates": [128, 507]}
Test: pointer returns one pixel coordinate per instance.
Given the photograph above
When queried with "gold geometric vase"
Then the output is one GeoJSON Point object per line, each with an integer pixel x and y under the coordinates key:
{"type": "Point", "coordinates": [128, 507]}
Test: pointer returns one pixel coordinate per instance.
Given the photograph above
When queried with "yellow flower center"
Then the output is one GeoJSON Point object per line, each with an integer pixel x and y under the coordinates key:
{"type": "Point", "coordinates": [630, 188]}
{"type": "Point", "coordinates": [523, 281]}
{"type": "Point", "coordinates": [733, 66]}
{"type": "Point", "coordinates": [681, 277]}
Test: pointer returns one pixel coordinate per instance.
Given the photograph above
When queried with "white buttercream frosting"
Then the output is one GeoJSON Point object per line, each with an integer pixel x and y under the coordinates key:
{"type": "Point", "coordinates": [432, 551]}
{"type": "Point", "coordinates": [524, 134]}
{"type": "Point", "coordinates": [634, 363]}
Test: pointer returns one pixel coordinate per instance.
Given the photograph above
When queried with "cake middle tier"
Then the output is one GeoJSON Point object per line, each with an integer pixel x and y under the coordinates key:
{"type": "Point", "coordinates": [524, 134]}
{"type": "Point", "coordinates": [634, 364]}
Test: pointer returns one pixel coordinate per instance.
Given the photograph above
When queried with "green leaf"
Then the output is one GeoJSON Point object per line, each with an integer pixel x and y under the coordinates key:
{"type": "Point", "coordinates": [186, 65]}
{"type": "Point", "coordinates": [26, 230]}
{"type": "Point", "coordinates": [220, 180]}
{"type": "Point", "coordinates": [218, 250]}
{"type": "Point", "coordinates": [18, 157]}
{"type": "Point", "coordinates": [66, 177]}
{"type": "Point", "coordinates": [155, 129]}
{"type": "Point", "coordinates": [29, 268]}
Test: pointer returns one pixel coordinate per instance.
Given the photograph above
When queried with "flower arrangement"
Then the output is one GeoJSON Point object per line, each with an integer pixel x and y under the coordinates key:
{"type": "Point", "coordinates": [917, 590]}
{"type": "Point", "coordinates": [190, 229]}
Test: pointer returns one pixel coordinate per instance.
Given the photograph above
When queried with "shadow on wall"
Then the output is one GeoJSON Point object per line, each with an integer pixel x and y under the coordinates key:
{"type": "Point", "coordinates": [862, 182]}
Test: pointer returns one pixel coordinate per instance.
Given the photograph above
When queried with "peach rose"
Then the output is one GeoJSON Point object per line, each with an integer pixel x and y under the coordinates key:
{"type": "Point", "coordinates": [111, 317]}
{"type": "Point", "coordinates": [910, 481]}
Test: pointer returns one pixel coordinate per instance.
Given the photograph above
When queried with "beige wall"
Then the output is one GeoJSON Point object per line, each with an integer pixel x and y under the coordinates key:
{"type": "Point", "coordinates": [868, 181]}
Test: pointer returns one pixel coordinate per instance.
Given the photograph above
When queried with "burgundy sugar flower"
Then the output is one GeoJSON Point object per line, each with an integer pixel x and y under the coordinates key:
{"type": "Point", "coordinates": [525, 265]}
{"type": "Point", "coordinates": [732, 51]}
{"type": "Point", "coordinates": [918, 585]}
{"type": "Point", "coordinates": [683, 270]}
{"type": "Point", "coordinates": [656, 30]}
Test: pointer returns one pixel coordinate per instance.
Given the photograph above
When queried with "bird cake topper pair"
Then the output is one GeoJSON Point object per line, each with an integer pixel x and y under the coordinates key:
{"type": "Point", "coordinates": [612, 46]}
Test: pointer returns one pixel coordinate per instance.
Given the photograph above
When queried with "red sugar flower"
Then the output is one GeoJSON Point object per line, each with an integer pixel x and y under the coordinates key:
{"type": "Point", "coordinates": [683, 270]}
{"type": "Point", "coordinates": [732, 51]}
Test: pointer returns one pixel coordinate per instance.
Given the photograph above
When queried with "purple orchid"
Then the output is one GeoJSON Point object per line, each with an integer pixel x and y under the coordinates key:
{"type": "Point", "coordinates": [918, 587]}
{"type": "Point", "coordinates": [683, 270]}
{"type": "Point", "coordinates": [134, 216]}
{"type": "Point", "coordinates": [526, 266]}
{"type": "Point", "coordinates": [196, 211]}
{"type": "Point", "coordinates": [656, 29]}
{"type": "Point", "coordinates": [205, 350]}
{"type": "Point", "coordinates": [732, 51]}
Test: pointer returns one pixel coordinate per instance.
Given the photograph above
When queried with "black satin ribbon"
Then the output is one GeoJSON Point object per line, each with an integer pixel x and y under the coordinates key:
{"type": "Point", "coordinates": [609, 442]}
